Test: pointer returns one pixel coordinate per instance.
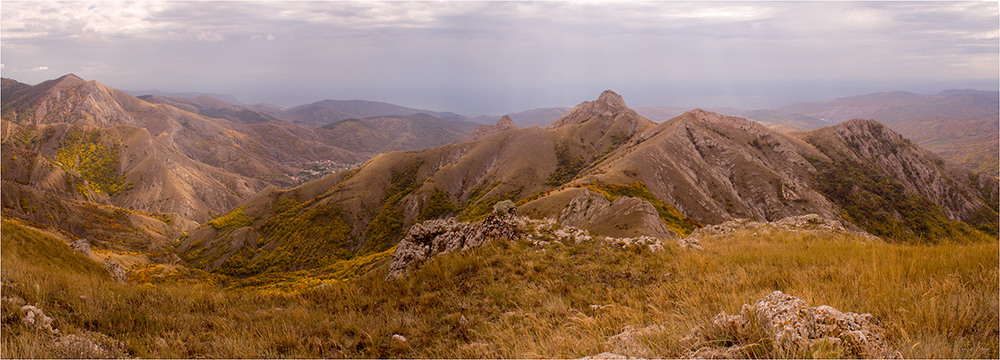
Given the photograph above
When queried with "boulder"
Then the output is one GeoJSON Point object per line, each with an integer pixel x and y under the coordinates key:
{"type": "Point", "coordinates": [790, 327]}
{"type": "Point", "coordinates": [430, 238]}
{"type": "Point", "coordinates": [117, 272]}
{"type": "Point", "coordinates": [35, 318]}
{"type": "Point", "coordinates": [82, 246]}
{"type": "Point", "coordinates": [808, 223]}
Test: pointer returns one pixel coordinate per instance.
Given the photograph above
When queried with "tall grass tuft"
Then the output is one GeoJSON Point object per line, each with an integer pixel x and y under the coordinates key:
{"type": "Point", "coordinates": [515, 299]}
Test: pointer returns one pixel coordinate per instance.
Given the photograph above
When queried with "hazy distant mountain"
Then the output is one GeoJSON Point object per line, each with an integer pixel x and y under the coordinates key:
{"type": "Point", "coordinates": [212, 107]}
{"type": "Point", "coordinates": [660, 113]}
{"type": "Point", "coordinates": [187, 94]}
{"type": "Point", "coordinates": [896, 106]}
{"type": "Point", "coordinates": [700, 167]}
{"type": "Point", "coordinates": [969, 92]}
{"type": "Point", "coordinates": [959, 125]}
{"type": "Point", "coordinates": [503, 124]}
{"type": "Point", "coordinates": [777, 120]}
{"type": "Point", "coordinates": [540, 117]}
{"type": "Point", "coordinates": [392, 133]}
{"type": "Point", "coordinates": [327, 111]}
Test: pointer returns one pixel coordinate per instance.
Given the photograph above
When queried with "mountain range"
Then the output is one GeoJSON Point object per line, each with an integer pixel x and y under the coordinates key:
{"type": "Point", "coordinates": [78, 152]}
{"type": "Point", "coordinates": [959, 125]}
{"type": "Point", "coordinates": [605, 168]}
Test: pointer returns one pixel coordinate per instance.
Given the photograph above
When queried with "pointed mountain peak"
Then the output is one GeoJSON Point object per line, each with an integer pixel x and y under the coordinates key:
{"type": "Point", "coordinates": [71, 77]}
{"type": "Point", "coordinates": [505, 122]}
{"type": "Point", "coordinates": [611, 99]}
{"type": "Point", "coordinates": [63, 81]}
{"type": "Point", "coordinates": [867, 128]}
{"type": "Point", "coordinates": [481, 131]}
{"type": "Point", "coordinates": [606, 105]}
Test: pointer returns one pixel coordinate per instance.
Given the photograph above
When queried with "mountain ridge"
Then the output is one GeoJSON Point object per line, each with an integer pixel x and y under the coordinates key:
{"type": "Point", "coordinates": [700, 167]}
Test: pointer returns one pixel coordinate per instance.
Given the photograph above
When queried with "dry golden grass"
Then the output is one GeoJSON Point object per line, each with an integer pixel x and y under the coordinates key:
{"type": "Point", "coordinates": [519, 300]}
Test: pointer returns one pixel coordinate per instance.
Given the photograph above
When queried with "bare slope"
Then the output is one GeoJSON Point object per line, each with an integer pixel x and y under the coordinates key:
{"type": "Point", "coordinates": [383, 134]}
{"type": "Point", "coordinates": [147, 157]}
{"type": "Point", "coordinates": [324, 112]}
{"type": "Point", "coordinates": [212, 107]}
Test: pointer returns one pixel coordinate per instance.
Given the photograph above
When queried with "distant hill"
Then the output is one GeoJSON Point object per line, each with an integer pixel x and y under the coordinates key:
{"type": "Point", "coordinates": [187, 94]}
{"type": "Point", "coordinates": [603, 158]}
{"type": "Point", "coordinates": [540, 117]}
{"type": "Point", "coordinates": [327, 111]}
{"type": "Point", "coordinates": [898, 106]}
{"type": "Point", "coordinates": [393, 133]}
{"type": "Point", "coordinates": [660, 113]}
{"type": "Point", "coordinates": [135, 155]}
{"type": "Point", "coordinates": [969, 92]}
{"type": "Point", "coordinates": [212, 107]}
{"type": "Point", "coordinates": [959, 125]}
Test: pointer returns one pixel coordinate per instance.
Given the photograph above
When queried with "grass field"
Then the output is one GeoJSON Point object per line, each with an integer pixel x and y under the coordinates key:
{"type": "Point", "coordinates": [513, 299]}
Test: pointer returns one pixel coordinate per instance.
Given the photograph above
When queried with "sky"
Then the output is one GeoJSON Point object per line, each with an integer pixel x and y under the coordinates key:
{"type": "Point", "coordinates": [494, 57]}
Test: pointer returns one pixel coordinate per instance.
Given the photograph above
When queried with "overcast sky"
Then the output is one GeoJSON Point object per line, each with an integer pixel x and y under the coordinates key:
{"type": "Point", "coordinates": [495, 57]}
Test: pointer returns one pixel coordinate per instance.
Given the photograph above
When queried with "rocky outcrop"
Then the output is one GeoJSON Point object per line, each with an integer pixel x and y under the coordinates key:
{"type": "Point", "coordinates": [116, 271]}
{"type": "Point", "coordinates": [73, 346]}
{"type": "Point", "coordinates": [789, 326]}
{"type": "Point", "coordinates": [607, 105]}
{"type": "Point", "coordinates": [82, 246]}
{"type": "Point", "coordinates": [431, 238]}
{"type": "Point", "coordinates": [481, 131]}
{"type": "Point", "coordinates": [629, 341]}
{"type": "Point", "coordinates": [82, 345]}
{"type": "Point", "coordinates": [424, 241]}
{"type": "Point", "coordinates": [35, 318]}
{"type": "Point", "coordinates": [806, 223]}
{"type": "Point", "coordinates": [625, 216]}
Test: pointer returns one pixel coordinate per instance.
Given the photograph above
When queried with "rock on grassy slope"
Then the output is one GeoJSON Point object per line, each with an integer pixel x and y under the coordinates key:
{"type": "Point", "coordinates": [432, 238]}
{"type": "Point", "coordinates": [783, 324]}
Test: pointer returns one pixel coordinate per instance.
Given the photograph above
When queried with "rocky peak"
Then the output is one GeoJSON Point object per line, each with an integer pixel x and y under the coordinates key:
{"type": "Point", "coordinates": [505, 122]}
{"type": "Point", "coordinates": [481, 131]}
{"type": "Point", "coordinates": [612, 100]}
{"type": "Point", "coordinates": [71, 77]}
{"type": "Point", "coordinates": [608, 106]}
{"type": "Point", "coordinates": [67, 80]}
{"type": "Point", "coordinates": [867, 127]}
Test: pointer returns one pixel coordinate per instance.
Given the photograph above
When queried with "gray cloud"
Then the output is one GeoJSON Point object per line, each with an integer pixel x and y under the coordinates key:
{"type": "Point", "coordinates": [479, 57]}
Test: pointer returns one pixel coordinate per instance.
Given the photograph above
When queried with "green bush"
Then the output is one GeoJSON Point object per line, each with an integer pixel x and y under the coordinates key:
{"type": "Point", "coordinates": [567, 166]}
{"type": "Point", "coordinates": [437, 206]}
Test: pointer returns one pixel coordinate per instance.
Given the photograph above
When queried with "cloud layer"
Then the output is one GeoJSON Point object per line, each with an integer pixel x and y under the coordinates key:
{"type": "Point", "coordinates": [505, 56]}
